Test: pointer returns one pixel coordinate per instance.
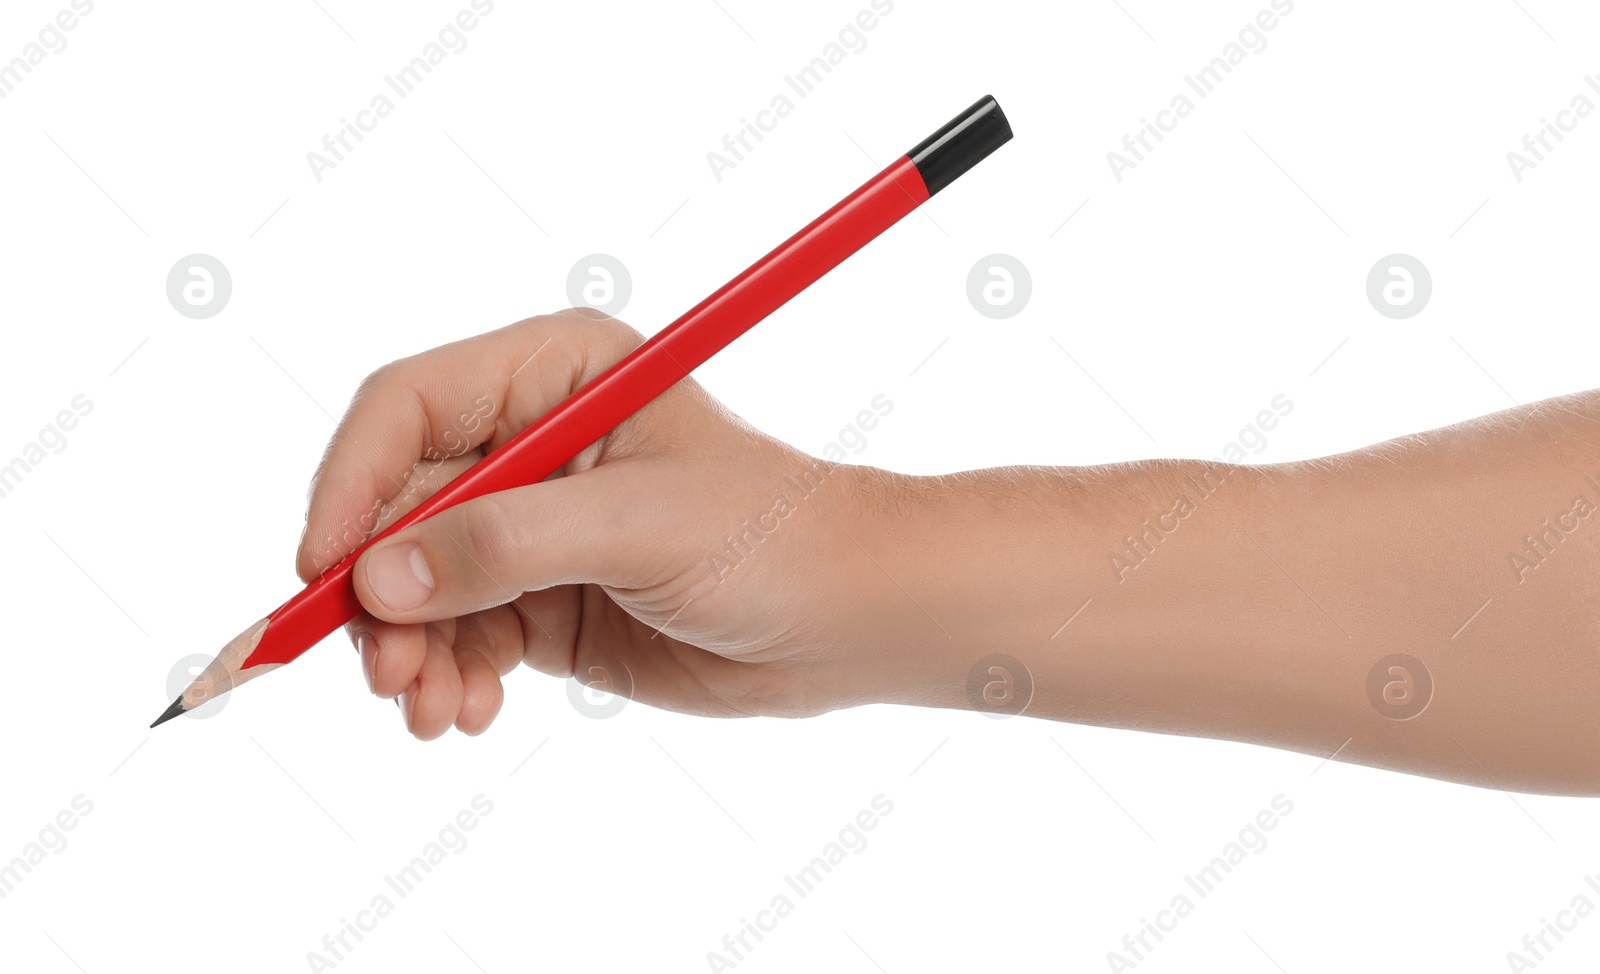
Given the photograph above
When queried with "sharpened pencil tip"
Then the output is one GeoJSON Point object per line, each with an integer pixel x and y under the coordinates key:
{"type": "Point", "coordinates": [171, 712]}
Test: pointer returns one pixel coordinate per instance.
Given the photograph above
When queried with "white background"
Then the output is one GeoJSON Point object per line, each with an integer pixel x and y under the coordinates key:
{"type": "Point", "coordinates": [1224, 270]}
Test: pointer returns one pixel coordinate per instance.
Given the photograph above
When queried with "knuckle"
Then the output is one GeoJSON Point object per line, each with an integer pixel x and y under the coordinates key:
{"type": "Point", "coordinates": [491, 536]}
{"type": "Point", "coordinates": [376, 380]}
{"type": "Point", "coordinates": [602, 325]}
{"type": "Point", "coordinates": [624, 333]}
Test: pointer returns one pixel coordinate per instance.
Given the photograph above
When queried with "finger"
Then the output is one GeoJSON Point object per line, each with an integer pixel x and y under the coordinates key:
{"type": "Point", "coordinates": [549, 620]}
{"type": "Point", "coordinates": [366, 647]}
{"type": "Point", "coordinates": [499, 631]}
{"type": "Point", "coordinates": [488, 645]}
{"type": "Point", "coordinates": [445, 402]}
{"type": "Point", "coordinates": [395, 651]}
{"type": "Point", "coordinates": [481, 691]}
{"type": "Point", "coordinates": [430, 704]}
{"type": "Point", "coordinates": [585, 528]}
{"type": "Point", "coordinates": [427, 478]}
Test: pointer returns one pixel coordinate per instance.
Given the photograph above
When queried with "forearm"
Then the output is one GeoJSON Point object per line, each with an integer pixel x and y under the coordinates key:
{"type": "Point", "coordinates": [1253, 603]}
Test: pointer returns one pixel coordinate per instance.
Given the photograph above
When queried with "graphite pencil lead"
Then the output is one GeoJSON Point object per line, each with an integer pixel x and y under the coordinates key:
{"type": "Point", "coordinates": [171, 712]}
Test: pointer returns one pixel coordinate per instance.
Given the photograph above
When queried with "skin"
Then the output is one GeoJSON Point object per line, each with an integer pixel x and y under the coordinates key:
{"type": "Point", "coordinates": [1258, 617]}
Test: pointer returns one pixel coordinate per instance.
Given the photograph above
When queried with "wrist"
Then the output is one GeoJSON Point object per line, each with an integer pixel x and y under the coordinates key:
{"type": "Point", "coordinates": [918, 558]}
{"type": "Point", "coordinates": [1062, 592]}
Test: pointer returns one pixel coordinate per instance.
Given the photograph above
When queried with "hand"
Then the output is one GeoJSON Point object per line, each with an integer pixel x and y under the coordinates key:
{"type": "Point", "coordinates": [618, 569]}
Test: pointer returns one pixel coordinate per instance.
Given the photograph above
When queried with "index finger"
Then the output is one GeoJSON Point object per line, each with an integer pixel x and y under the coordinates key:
{"type": "Point", "coordinates": [421, 412]}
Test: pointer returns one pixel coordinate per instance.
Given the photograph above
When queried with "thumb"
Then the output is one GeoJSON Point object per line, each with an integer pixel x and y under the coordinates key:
{"type": "Point", "coordinates": [488, 551]}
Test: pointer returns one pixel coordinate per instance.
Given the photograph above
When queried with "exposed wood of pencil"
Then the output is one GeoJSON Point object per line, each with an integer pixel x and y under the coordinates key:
{"type": "Point", "coordinates": [222, 674]}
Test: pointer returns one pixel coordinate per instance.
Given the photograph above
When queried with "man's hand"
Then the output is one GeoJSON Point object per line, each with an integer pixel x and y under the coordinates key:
{"type": "Point", "coordinates": [604, 571]}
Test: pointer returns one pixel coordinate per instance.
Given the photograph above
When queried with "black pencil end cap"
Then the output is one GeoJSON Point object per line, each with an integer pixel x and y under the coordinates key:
{"type": "Point", "coordinates": [962, 143]}
{"type": "Point", "coordinates": [171, 712]}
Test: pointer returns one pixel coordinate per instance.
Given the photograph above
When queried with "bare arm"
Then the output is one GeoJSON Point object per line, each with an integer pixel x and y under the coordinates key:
{"type": "Point", "coordinates": [1255, 603]}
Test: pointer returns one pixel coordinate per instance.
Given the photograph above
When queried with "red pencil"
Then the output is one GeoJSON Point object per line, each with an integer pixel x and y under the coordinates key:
{"type": "Point", "coordinates": [625, 388]}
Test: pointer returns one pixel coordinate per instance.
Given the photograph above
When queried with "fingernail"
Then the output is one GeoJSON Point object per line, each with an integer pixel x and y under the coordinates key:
{"type": "Point", "coordinates": [408, 702]}
{"type": "Point", "coordinates": [368, 648]}
{"type": "Point", "coordinates": [399, 577]}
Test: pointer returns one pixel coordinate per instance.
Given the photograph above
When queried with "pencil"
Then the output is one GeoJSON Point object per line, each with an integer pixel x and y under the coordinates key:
{"type": "Point", "coordinates": [622, 390]}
